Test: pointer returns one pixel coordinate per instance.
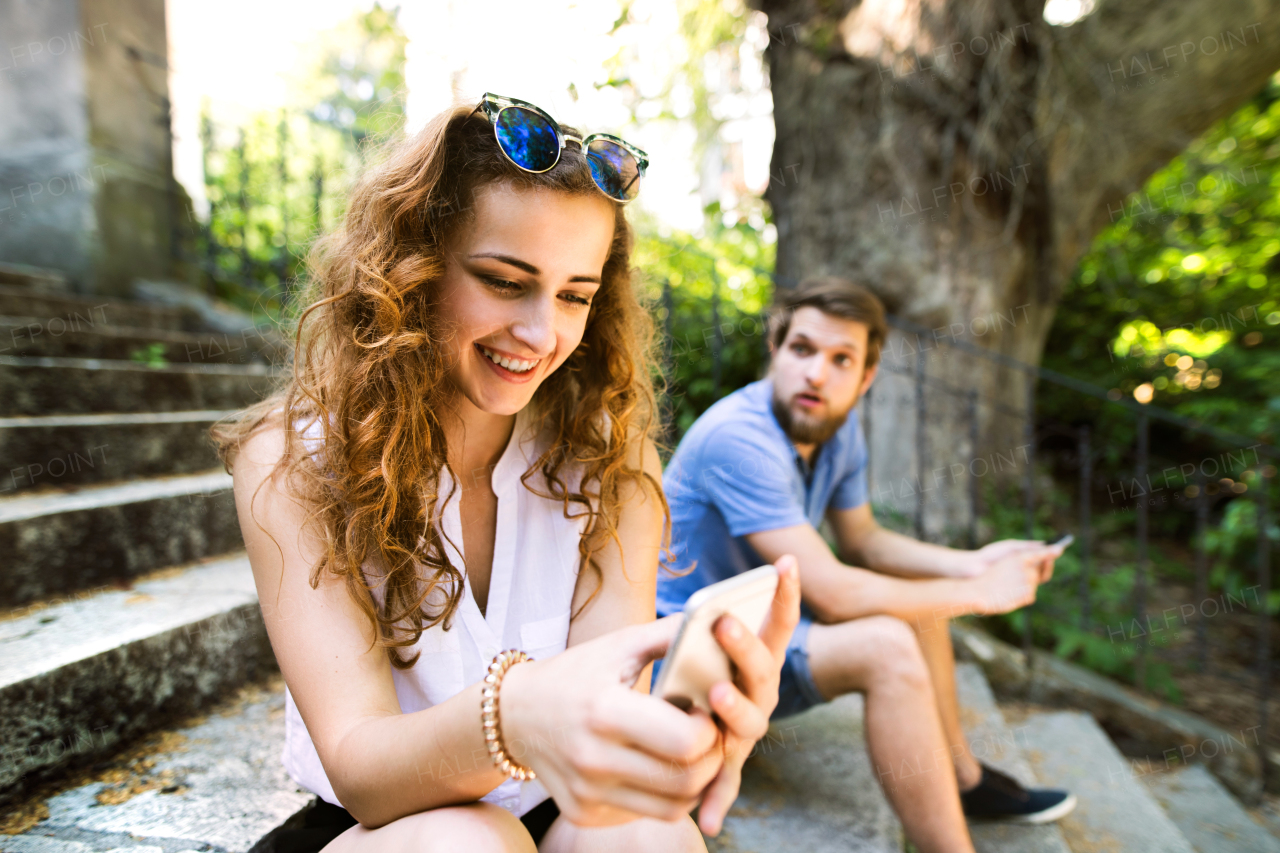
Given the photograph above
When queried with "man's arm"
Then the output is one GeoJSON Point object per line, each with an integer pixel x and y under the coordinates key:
{"type": "Point", "coordinates": [860, 539]}
{"type": "Point", "coordinates": [836, 592]}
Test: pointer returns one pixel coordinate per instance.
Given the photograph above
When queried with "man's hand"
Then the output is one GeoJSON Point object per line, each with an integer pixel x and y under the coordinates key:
{"type": "Point", "coordinates": [989, 555]}
{"type": "Point", "coordinates": [1009, 584]}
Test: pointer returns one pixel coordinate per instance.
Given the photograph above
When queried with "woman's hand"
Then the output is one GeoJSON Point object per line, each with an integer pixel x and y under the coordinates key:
{"type": "Point", "coordinates": [745, 704]}
{"type": "Point", "coordinates": [605, 752]}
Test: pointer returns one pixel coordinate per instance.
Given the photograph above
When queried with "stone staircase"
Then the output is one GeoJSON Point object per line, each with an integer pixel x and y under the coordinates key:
{"type": "Point", "coordinates": [140, 705]}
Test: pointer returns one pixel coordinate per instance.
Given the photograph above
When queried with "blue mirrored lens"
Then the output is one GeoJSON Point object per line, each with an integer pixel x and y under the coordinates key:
{"type": "Point", "coordinates": [614, 169]}
{"type": "Point", "coordinates": [528, 139]}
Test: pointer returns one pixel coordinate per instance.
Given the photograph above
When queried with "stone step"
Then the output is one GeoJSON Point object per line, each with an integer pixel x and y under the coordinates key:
{"type": "Point", "coordinates": [31, 302]}
{"type": "Point", "coordinates": [214, 784]}
{"type": "Point", "coordinates": [809, 786]}
{"type": "Point", "coordinates": [78, 450]}
{"type": "Point", "coordinates": [82, 675]}
{"type": "Point", "coordinates": [1116, 814]}
{"type": "Point", "coordinates": [46, 386]}
{"type": "Point", "coordinates": [1211, 819]}
{"type": "Point", "coordinates": [39, 278]}
{"type": "Point", "coordinates": [33, 336]}
{"type": "Point", "coordinates": [992, 742]}
{"type": "Point", "coordinates": [60, 542]}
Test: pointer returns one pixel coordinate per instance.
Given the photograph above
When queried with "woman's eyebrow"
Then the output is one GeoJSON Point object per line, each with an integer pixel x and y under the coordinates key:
{"type": "Point", "coordinates": [528, 267]}
{"type": "Point", "coordinates": [507, 259]}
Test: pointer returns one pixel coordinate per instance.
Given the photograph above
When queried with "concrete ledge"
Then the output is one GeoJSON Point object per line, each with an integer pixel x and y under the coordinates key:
{"type": "Point", "coordinates": [1115, 811]}
{"type": "Point", "coordinates": [44, 386]}
{"type": "Point", "coordinates": [56, 543]}
{"type": "Point", "coordinates": [27, 302]}
{"type": "Point", "coordinates": [37, 337]}
{"type": "Point", "coordinates": [212, 785]}
{"type": "Point", "coordinates": [79, 450]}
{"type": "Point", "coordinates": [1233, 758]}
{"type": "Point", "coordinates": [809, 786]}
{"type": "Point", "coordinates": [81, 676]}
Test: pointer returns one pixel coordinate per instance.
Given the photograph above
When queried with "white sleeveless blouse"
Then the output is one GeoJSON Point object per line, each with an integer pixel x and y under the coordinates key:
{"type": "Point", "coordinates": [535, 569]}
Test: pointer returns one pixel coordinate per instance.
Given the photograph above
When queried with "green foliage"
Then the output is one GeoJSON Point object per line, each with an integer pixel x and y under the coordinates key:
{"type": "Point", "coordinates": [279, 179]}
{"type": "Point", "coordinates": [1197, 247]}
{"type": "Point", "coordinates": [151, 355]}
{"type": "Point", "coordinates": [719, 288]}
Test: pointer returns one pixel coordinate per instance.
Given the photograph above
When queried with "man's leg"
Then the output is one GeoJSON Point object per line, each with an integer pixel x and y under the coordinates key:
{"type": "Point", "coordinates": [880, 656]}
{"type": "Point", "coordinates": [935, 642]}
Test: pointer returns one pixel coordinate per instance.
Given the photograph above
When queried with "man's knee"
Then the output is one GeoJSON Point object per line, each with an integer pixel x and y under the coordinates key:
{"type": "Point", "coordinates": [896, 654]}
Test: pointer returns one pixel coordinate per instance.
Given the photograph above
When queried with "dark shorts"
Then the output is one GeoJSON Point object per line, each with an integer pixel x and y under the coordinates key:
{"type": "Point", "coordinates": [325, 822]}
{"type": "Point", "coordinates": [796, 690]}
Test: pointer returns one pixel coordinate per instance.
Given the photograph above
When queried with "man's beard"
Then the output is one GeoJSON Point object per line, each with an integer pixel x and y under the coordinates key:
{"type": "Point", "coordinates": [803, 429]}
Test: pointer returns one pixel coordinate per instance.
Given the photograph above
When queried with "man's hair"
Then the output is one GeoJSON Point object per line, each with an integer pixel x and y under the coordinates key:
{"type": "Point", "coordinates": [838, 297]}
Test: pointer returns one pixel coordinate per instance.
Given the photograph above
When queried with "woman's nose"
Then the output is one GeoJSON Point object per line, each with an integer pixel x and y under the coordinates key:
{"type": "Point", "coordinates": [535, 326]}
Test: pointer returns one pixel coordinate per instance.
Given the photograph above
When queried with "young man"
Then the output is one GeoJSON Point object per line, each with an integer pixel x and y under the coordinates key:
{"type": "Point", "coordinates": [754, 478]}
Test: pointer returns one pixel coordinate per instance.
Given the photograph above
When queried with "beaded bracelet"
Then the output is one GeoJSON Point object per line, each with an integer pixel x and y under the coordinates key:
{"type": "Point", "coordinates": [489, 717]}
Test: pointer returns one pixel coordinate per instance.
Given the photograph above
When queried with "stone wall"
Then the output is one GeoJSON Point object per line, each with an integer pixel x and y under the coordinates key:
{"type": "Point", "coordinates": [85, 158]}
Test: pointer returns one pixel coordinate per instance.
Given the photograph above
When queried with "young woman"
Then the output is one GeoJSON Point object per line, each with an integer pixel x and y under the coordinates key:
{"type": "Point", "coordinates": [461, 464]}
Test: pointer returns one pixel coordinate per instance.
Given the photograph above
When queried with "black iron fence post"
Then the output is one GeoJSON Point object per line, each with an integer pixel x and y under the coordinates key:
{"type": "Point", "coordinates": [1202, 567]}
{"type": "Point", "coordinates": [1264, 618]}
{"type": "Point", "coordinates": [1085, 451]}
{"type": "Point", "coordinates": [717, 345]}
{"type": "Point", "coordinates": [922, 448]}
{"type": "Point", "coordinates": [668, 363]}
{"type": "Point", "coordinates": [973, 481]}
{"type": "Point", "coordinates": [1140, 570]}
{"type": "Point", "coordinates": [1029, 496]}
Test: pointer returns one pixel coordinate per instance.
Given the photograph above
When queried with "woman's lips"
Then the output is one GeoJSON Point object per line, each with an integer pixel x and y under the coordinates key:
{"type": "Point", "coordinates": [510, 376]}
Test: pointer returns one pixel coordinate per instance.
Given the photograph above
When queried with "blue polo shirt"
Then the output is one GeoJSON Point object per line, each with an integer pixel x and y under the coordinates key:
{"type": "Point", "coordinates": [736, 472]}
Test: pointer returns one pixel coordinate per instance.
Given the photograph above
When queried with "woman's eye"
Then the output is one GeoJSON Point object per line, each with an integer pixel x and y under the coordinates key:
{"type": "Point", "coordinates": [499, 283]}
{"type": "Point", "coordinates": [576, 299]}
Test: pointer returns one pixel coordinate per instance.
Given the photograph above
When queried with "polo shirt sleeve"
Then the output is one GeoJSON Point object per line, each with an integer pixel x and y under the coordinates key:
{"type": "Point", "coordinates": [851, 490]}
{"type": "Point", "coordinates": [749, 482]}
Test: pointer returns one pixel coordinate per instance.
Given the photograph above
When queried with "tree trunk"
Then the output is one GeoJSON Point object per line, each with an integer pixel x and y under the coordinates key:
{"type": "Point", "coordinates": [958, 157]}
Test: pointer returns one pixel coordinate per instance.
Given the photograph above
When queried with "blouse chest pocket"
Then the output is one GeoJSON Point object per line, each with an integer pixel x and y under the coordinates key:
{"type": "Point", "coordinates": [545, 637]}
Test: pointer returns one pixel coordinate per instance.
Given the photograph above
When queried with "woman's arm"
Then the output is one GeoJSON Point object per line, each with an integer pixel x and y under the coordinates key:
{"type": "Point", "coordinates": [627, 585]}
{"type": "Point", "coordinates": [383, 764]}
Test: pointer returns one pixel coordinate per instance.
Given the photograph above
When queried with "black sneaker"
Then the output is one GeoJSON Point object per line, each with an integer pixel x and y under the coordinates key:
{"type": "Point", "coordinates": [998, 797]}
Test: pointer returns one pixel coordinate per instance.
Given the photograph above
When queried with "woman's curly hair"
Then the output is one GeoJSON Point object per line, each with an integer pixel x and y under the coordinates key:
{"type": "Point", "coordinates": [370, 372]}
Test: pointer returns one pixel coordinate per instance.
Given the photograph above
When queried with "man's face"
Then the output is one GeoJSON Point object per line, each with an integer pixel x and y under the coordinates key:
{"type": "Point", "coordinates": [818, 374]}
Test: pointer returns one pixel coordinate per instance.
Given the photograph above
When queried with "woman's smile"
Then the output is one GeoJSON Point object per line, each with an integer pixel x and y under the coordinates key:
{"type": "Point", "coordinates": [508, 366]}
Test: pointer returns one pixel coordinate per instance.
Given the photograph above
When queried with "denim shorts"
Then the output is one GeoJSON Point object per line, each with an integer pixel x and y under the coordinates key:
{"type": "Point", "coordinates": [796, 690]}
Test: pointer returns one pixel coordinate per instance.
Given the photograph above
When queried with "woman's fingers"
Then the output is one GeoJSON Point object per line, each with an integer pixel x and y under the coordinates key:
{"type": "Point", "coordinates": [718, 798]}
{"type": "Point", "coordinates": [638, 645]}
{"type": "Point", "coordinates": [784, 613]}
{"type": "Point", "coordinates": [757, 667]}
{"type": "Point", "coordinates": [744, 719]}
{"type": "Point", "coordinates": [611, 763]}
{"type": "Point", "coordinates": [654, 725]}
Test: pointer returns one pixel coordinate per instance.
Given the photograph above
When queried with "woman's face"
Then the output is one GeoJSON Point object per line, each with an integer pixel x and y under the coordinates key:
{"type": "Point", "coordinates": [517, 288]}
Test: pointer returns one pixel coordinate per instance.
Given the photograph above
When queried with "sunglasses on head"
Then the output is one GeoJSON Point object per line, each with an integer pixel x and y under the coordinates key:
{"type": "Point", "coordinates": [532, 140]}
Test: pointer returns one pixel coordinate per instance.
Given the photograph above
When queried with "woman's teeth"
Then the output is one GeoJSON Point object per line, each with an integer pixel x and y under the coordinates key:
{"type": "Point", "coordinates": [515, 365]}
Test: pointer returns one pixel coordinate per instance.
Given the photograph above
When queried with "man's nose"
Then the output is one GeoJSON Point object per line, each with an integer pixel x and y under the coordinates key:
{"type": "Point", "coordinates": [816, 372]}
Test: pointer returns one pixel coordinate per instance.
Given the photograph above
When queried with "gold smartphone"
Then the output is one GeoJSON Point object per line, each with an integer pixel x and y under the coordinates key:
{"type": "Point", "coordinates": [696, 660]}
